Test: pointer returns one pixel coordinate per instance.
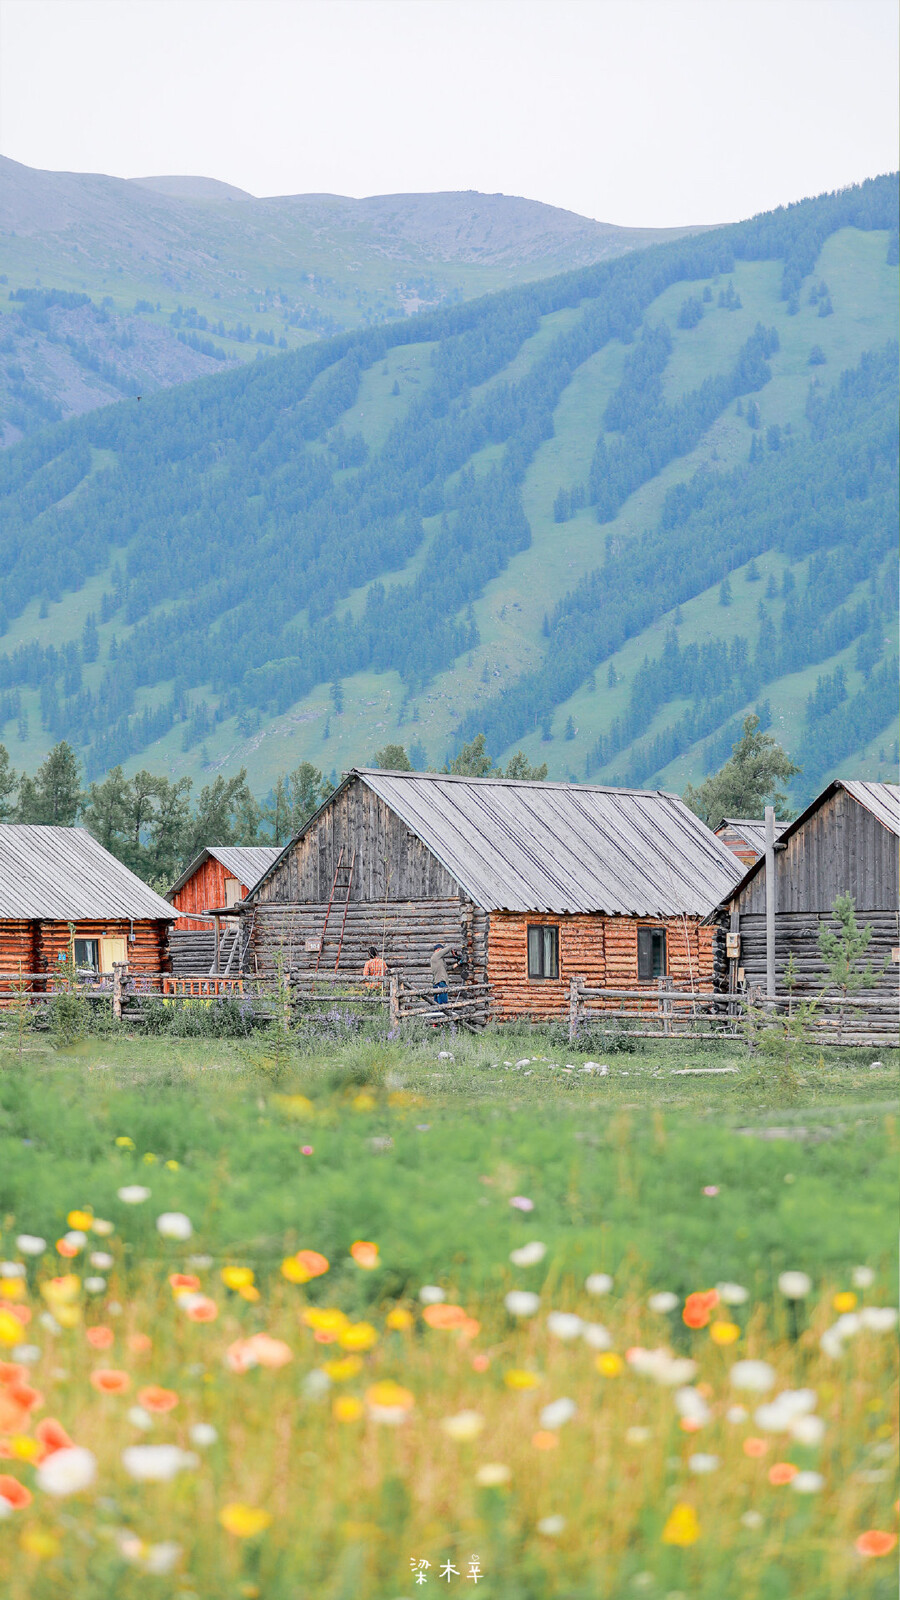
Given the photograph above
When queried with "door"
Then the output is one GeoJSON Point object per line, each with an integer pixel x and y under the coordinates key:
{"type": "Point", "coordinates": [112, 951]}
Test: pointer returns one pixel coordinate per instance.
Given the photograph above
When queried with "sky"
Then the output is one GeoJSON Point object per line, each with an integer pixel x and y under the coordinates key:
{"type": "Point", "coordinates": [637, 112]}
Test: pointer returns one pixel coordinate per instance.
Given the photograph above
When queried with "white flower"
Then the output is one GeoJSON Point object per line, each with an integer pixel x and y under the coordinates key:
{"type": "Point", "coordinates": [444, 1055]}
{"type": "Point", "coordinates": [691, 1405]}
{"type": "Point", "coordinates": [808, 1430]}
{"type": "Point", "coordinates": [48, 1321]}
{"type": "Point", "coordinates": [595, 1335]}
{"type": "Point", "coordinates": [661, 1365]}
{"type": "Point", "coordinates": [431, 1295]}
{"type": "Point", "coordinates": [736, 1414]}
{"type": "Point", "coordinates": [557, 1413]}
{"type": "Point", "coordinates": [12, 1269]}
{"type": "Point", "coordinates": [752, 1519]}
{"type": "Point", "coordinates": [26, 1354]}
{"type": "Point", "coordinates": [156, 1463]}
{"type": "Point", "coordinates": [203, 1434]}
{"type": "Point", "coordinates": [492, 1475]}
{"type": "Point", "coordinates": [732, 1294]}
{"type": "Point", "coordinates": [637, 1435]}
{"type": "Point", "coordinates": [528, 1255]}
{"type": "Point", "coordinates": [75, 1239]}
{"type": "Point", "coordinates": [521, 1303]}
{"type": "Point", "coordinates": [133, 1194]}
{"type": "Point", "coordinates": [67, 1471]}
{"type": "Point", "coordinates": [807, 1483]}
{"type": "Point", "coordinates": [392, 1415]}
{"type": "Point", "coordinates": [174, 1225]}
{"type": "Point", "coordinates": [663, 1302]}
{"type": "Point", "coordinates": [831, 1344]}
{"type": "Point", "coordinates": [794, 1285]}
{"type": "Point", "coordinates": [755, 1375]}
{"type": "Point", "coordinates": [200, 1263]}
{"type": "Point", "coordinates": [778, 1415]}
{"type": "Point", "coordinates": [316, 1384]}
{"type": "Point", "coordinates": [5, 1507]}
{"type": "Point", "coordinates": [101, 1259]}
{"type": "Point", "coordinates": [703, 1463]}
{"type": "Point", "coordinates": [564, 1324]}
{"type": "Point", "coordinates": [848, 1324]}
{"type": "Point", "coordinates": [95, 1285]}
{"type": "Point", "coordinates": [863, 1277]}
{"type": "Point", "coordinates": [598, 1283]}
{"type": "Point", "coordinates": [878, 1319]}
{"type": "Point", "coordinates": [29, 1244]}
{"type": "Point", "coordinates": [99, 1225]}
{"type": "Point", "coordinates": [551, 1526]}
{"type": "Point", "coordinates": [139, 1418]}
{"type": "Point", "coordinates": [464, 1426]}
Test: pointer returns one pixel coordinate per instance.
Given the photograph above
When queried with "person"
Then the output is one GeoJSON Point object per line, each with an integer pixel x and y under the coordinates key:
{"type": "Point", "coordinates": [375, 967]}
{"type": "Point", "coordinates": [439, 977]}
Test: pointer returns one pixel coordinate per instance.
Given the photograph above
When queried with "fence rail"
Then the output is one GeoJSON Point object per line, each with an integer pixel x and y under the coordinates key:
{"type": "Point", "coordinates": [826, 1018]}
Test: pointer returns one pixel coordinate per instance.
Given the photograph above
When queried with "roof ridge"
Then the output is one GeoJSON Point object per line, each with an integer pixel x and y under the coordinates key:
{"type": "Point", "coordinates": [512, 783]}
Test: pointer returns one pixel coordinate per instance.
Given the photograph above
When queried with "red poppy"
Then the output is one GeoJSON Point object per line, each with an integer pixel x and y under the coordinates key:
{"type": "Point", "coordinates": [698, 1307]}
{"type": "Point", "coordinates": [755, 1447]}
{"type": "Point", "coordinates": [876, 1543]}
{"type": "Point", "coordinates": [14, 1493]}
{"type": "Point", "coordinates": [782, 1472]}
{"type": "Point", "coordinates": [52, 1435]}
{"type": "Point", "coordinates": [109, 1381]}
{"type": "Point", "coordinates": [140, 1343]}
{"type": "Point", "coordinates": [187, 1281]}
{"type": "Point", "coordinates": [154, 1398]}
{"type": "Point", "coordinates": [99, 1338]}
{"type": "Point", "coordinates": [444, 1316]}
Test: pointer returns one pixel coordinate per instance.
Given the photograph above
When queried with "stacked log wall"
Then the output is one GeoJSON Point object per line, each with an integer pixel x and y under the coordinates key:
{"type": "Point", "coordinates": [403, 932]}
{"type": "Point", "coordinates": [192, 952]}
{"type": "Point", "coordinates": [797, 935]}
{"type": "Point", "coordinates": [146, 953]}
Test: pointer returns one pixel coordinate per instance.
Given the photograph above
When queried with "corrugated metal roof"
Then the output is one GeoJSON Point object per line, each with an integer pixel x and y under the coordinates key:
{"type": "Point", "coordinates": [246, 862]}
{"type": "Point", "coordinates": [561, 847]}
{"type": "Point", "coordinates": [752, 829]}
{"type": "Point", "coordinates": [64, 875]}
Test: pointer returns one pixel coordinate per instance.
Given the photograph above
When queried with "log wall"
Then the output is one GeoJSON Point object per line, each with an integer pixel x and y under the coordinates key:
{"type": "Point", "coordinates": [204, 889]}
{"type": "Point", "coordinates": [146, 953]}
{"type": "Point", "coordinates": [602, 950]}
{"type": "Point", "coordinates": [797, 934]}
{"type": "Point", "coordinates": [841, 847]}
{"type": "Point", "coordinates": [404, 932]}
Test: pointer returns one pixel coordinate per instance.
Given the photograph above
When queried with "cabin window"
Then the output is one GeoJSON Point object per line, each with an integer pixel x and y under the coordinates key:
{"type": "Point", "coordinates": [651, 954]}
{"type": "Point", "coordinates": [87, 955]}
{"type": "Point", "coordinates": [543, 952]}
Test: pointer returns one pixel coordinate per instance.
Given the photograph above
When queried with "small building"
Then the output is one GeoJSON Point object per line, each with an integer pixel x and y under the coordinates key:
{"type": "Point", "coordinates": [61, 892]}
{"type": "Point", "coordinates": [217, 879]}
{"type": "Point", "coordinates": [746, 837]}
{"type": "Point", "coordinates": [535, 883]}
{"type": "Point", "coordinates": [845, 842]}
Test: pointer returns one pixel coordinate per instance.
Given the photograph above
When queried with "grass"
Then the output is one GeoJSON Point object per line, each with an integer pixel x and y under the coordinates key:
{"type": "Point", "coordinates": [422, 1153]}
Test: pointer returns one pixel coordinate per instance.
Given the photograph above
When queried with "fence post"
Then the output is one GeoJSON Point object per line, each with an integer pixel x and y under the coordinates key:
{"type": "Point", "coordinates": [394, 1001]}
{"type": "Point", "coordinates": [286, 1000]}
{"type": "Point", "coordinates": [574, 1007]}
{"type": "Point", "coordinates": [665, 1005]}
{"type": "Point", "coordinates": [117, 991]}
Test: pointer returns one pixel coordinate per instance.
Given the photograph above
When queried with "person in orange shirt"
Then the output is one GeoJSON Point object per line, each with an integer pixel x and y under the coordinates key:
{"type": "Point", "coordinates": [375, 967]}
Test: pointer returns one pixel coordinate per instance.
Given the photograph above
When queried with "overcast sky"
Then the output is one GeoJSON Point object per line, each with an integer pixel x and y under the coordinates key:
{"type": "Point", "coordinates": [631, 111]}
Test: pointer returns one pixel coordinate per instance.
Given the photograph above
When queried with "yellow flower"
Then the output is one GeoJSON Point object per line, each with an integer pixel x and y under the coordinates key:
{"type": "Point", "coordinates": [248, 1291]}
{"type": "Point", "coordinates": [399, 1319]}
{"type": "Point", "coordinates": [12, 1289]}
{"type": "Point", "coordinates": [358, 1336]}
{"type": "Point", "coordinates": [124, 1142]}
{"type": "Point", "coordinates": [82, 1220]}
{"type": "Point", "coordinates": [325, 1319]}
{"type": "Point", "coordinates": [237, 1277]}
{"type": "Point", "coordinates": [845, 1301]}
{"type": "Point", "coordinates": [294, 1105]}
{"type": "Point", "coordinates": [682, 1527]}
{"type": "Point", "coordinates": [363, 1101]}
{"type": "Point", "coordinates": [25, 1448]}
{"type": "Point", "coordinates": [724, 1332]}
{"type": "Point", "coordinates": [244, 1521]}
{"type": "Point", "coordinates": [61, 1291]}
{"type": "Point", "coordinates": [39, 1543]}
{"type": "Point", "coordinates": [347, 1367]}
{"type": "Point", "coordinates": [389, 1394]}
{"type": "Point", "coordinates": [67, 1316]}
{"type": "Point", "coordinates": [172, 1166]}
{"type": "Point", "coordinates": [294, 1270]}
{"type": "Point", "coordinates": [149, 1159]}
{"type": "Point", "coordinates": [346, 1408]}
{"type": "Point", "coordinates": [609, 1364]}
{"type": "Point", "coordinates": [517, 1378]}
{"type": "Point", "coordinates": [10, 1328]}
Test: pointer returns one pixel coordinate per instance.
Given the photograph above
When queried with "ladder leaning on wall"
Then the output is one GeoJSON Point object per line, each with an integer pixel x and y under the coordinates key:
{"type": "Point", "coordinates": [343, 879]}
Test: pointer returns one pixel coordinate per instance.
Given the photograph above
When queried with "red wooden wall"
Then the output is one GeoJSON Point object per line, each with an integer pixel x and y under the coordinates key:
{"type": "Point", "coordinates": [204, 889]}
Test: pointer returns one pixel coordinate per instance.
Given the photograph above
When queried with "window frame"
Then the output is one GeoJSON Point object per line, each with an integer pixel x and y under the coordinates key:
{"type": "Point", "coordinates": [651, 938]}
{"type": "Point", "coordinates": [543, 929]}
{"type": "Point", "coordinates": [86, 966]}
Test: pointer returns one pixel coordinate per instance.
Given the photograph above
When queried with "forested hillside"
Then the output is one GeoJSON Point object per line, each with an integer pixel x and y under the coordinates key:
{"type": "Point", "coordinates": [599, 517]}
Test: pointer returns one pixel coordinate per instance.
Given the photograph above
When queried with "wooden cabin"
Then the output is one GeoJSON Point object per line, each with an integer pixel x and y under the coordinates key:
{"type": "Point", "coordinates": [534, 882]}
{"type": "Point", "coordinates": [746, 837]}
{"type": "Point", "coordinates": [217, 879]}
{"type": "Point", "coordinates": [846, 841]}
{"type": "Point", "coordinates": [60, 891]}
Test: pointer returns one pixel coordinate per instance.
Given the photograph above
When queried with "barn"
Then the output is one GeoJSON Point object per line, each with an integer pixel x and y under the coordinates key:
{"type": "Point", "coordinates": [534, 882]}
{"type": "Point", "coordinates": [216, 880]}
{"type": "Point", "coordinates": [746, 836]}
{"type": "Point", "coordinates": [846, 841]}
{"type": "Point", "coordinates": [60, 891]}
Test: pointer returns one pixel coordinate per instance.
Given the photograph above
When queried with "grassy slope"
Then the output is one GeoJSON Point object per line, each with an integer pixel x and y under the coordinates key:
{"type": "Point", "coordinates": [510, 611]}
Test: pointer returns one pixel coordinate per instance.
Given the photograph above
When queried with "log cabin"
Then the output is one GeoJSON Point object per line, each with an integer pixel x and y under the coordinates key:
{"type": "Point", "coordinates": [847, 841]}
{"type": "Point", "coordinates": [746, 836]}
{"type": "Point", "coordinates": [219, 877]}
{"type": "Point", "coordinates": [534, 883]}
{"type": "Point", "coordinates": [61, 893]}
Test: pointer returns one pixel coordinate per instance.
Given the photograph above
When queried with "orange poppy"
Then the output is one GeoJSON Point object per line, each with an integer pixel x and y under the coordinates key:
{"type": "Point", "coordinates": [698, 1307]}
{"type": "Point", "coordinates": [203, 1310]}
{"type": "Point", "coordinates": [140, 1343]}
{"type": "Point", "coordinates": [755, 1447]}
{"type": "Point", "coordinates": [64, 1248]}
{"type": "Point", "coordinates": [543, 1440]}
{"type": "Point", "coordinates": [13, 1416]}
{"type": "Point", "coordinates": [99, 1338]}
{"type": "Point", "coordinates": [481, 1362]}
{"type": "Point", "coordinates": [690, 1425]}
{"type": "Point", "coordinates": [153, 1398]}
{"type": "Point", "coordinates": [183, 1282]}
{"type": "Point", "coordinates": [364, 1253]}
{"type": "Point", "coordinates": [109, 1381]}
{"type": "Point", "coordinates": [14, 1493]}
{"type": "Point", "coordinates": [444, 1316]}
{"type": "Point", "coordinates": [782, 1472]}
{"type": "Point", "coordinates": [315, 1263]}
{"type": "Point", "coordinates": [10, 1371]}
{"type": "Point", "coordinates": [875, 1543]}
{"type": "Point", "coordinates": [52, 1435]}
{"type": "Point", "coordinates": [469, 1329]}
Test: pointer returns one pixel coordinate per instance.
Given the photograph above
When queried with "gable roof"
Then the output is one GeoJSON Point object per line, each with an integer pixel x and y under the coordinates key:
{"type": "Point", "coordinates": [751, 829]}
{"type": "Point", "coordinates": [246, 862]}
{"type": "Point", "coordinates": [882, 799]}
{"type": "Point", "coordinates": [559, 847]}
{"type": "Point", "coordinates": [64, 875]}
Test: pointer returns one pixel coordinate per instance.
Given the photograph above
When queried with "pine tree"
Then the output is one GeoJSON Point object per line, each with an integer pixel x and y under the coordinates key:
{"type": "Point", "coordinates": [747, 782]}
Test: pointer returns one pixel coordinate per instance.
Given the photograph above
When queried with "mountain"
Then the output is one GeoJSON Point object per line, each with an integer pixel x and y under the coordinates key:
{"type": "Point", "coordinates": [177, 276]}
{"type": "Point", "coordinates": [600, 517]}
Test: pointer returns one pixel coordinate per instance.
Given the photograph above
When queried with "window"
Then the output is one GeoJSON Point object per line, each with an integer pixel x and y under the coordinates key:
{"type": "Point", "coordinates": [543, 952]}
{"type": "Point", "coordinates": [87, 955]}
{"type": "Point", "coordinates": [651, 954]}
{"type": "Point", "coordinates": [232, 892]}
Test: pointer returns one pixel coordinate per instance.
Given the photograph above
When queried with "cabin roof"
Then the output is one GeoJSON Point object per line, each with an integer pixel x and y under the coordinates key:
{"type": "Point", "coordinates": [882, 799]}
{"type": "Point", "coordinates": [246, 862]}
{"type": "Point", "coordinates": [559, 847]}
{"type": "Point", "coordinates": [753, 829]}
{"type": "Point", "coordinates": [63, 875]}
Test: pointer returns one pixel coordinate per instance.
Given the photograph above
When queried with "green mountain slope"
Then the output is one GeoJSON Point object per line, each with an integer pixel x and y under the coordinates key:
{"type": "Point", "coordinates": [599, 516]}
{"type": "Point", "coordinates": [135, 285]}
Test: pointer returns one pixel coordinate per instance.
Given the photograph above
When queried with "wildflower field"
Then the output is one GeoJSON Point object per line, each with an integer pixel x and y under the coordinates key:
{"type": "Point", "coordinates": [374, 1320]}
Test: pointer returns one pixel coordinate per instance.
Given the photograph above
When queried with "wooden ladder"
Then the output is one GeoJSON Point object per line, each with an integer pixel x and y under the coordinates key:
{"type": "Point", "coordinates": [343, 879]}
